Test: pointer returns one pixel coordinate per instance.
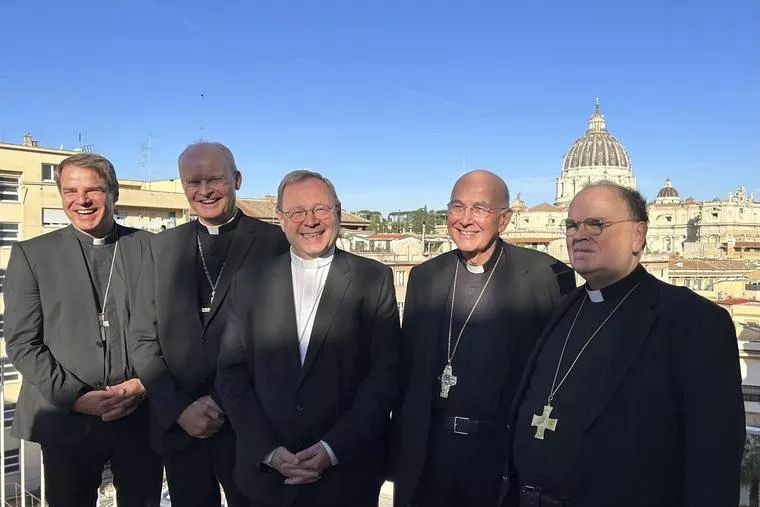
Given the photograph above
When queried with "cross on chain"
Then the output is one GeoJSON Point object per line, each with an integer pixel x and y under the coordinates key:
{"type": "Point", "coordinates": [543, 422]}
{"type": "Point", "coordinates": [448, 380]}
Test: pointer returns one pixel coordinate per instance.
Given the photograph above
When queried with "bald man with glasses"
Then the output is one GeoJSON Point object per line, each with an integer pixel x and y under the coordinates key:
{"type": "Point", "coordinates": [471, 318]}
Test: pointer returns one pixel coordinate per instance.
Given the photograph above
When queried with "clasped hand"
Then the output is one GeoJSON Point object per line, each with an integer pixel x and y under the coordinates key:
{"type": "Point", "coordinates": [114, 402]}
{"type": "Point", "coordinates": [303, 467]}
{"type": "Point", "coordinates": [202, 418]}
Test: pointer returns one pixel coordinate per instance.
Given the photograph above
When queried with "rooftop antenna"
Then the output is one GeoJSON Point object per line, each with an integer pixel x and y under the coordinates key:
{"type": "Point", "coordinates": [145, 154]}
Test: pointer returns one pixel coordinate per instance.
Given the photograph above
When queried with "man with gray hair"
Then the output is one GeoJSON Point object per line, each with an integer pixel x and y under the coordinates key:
{"type": "Point", "coordinates": [308, 362]}
{"type": "Point", "coordinates": [633, 395]}
{"type": "Point", "coordinates": [183, 305]}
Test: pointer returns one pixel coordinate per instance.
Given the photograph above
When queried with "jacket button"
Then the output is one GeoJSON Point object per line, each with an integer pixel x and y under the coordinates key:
{"type": "Point", "coordinates": [99, 344]}
{"type": "Point", "coordinates": [299, 408]}
{"type": "Point", "coordinates": [98, 384]}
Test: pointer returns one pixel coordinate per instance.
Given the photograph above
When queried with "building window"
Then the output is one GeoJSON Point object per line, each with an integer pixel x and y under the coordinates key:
{"type": "Point", "coordinates": [10, 373]}
{"type": "Point", "coordinates": [9, 188]}
{"type": "Point", "coordinates": [11, 461]}
{"type": "Point", "coordinates": [400, 278]}
{"type": "Point", "coordinates": [54, 217]}
{"type": "Point", "coordinates": [48, 172]}
{"type": "Point", "coordinates": [8, 414]}
{"type": "Point", "coordinates": [8, 233]}
{"type": "Point", "coordinates": [2, 281]}
{"type": "Point", "coordinates": [2, 326]}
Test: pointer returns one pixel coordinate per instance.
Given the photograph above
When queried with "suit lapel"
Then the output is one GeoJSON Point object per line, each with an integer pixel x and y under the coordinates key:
{"type": "Point", "coordinates": [338, 280]}
{"type": "Point", "coordinates": [280, 311]}
{"type": "Point", "coordinates": [436, 298]}
{"type": "Point", "coordinates": [560, 312]}
{"type": "Point", "coordinates": [636, 324]}
{"type": "Point", "coordinates": [78, 277]}
{"type": "Point", "coordinates": [242, 240]}
{"type": "Point", "coordinates": [181, 271]}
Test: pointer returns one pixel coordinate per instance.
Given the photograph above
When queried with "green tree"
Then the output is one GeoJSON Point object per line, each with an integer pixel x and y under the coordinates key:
{"type": "Point", "coordinates": [751, 468]}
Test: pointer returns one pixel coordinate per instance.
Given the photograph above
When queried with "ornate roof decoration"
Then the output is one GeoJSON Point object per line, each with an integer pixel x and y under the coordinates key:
{"type": "Point", "coordinates": [668, 190]}
{"type": "Point", "coordinates": [597, 147]}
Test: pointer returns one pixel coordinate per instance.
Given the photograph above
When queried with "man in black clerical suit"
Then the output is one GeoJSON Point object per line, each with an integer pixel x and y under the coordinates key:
{"type": "Point", "coordinates": [471, 318]}
{"type": "Point", "coordinates": [183, 308]}
{"type": "Point", "coordinates": [69, 298]}
{"type": "Point", "coordinates": [633, 394]}
{"type": "Point", "coordinates": [308, 363]}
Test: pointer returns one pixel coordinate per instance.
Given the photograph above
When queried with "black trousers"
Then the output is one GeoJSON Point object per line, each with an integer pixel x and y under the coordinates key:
{"type": "Point", "coordinates": [195, 472]}
{"type": "Point", "coordinates": [73, 472]}
{"type": "Point", "coordinates": [461, 470]}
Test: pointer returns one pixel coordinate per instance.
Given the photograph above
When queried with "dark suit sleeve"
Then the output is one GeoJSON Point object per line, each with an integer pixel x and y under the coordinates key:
{"type": "Point", "coordinates": [165, 395]}
{"type": "Point", "coordinates": [235, 389]}
{"type": "Point", "coordinates": [368, 416]}
{"type": "Point", "coordinates": [565, 278]}
{"type": "Point", "coordinates": [712, 409]}
{"type": "Point", "coordinates": [24, 338]}
{"type": "Point", "coordinates": [406, 336]}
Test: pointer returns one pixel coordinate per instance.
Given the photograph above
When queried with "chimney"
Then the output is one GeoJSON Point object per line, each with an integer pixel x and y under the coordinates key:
{"type": "Point", "coordinates": [28, 139]}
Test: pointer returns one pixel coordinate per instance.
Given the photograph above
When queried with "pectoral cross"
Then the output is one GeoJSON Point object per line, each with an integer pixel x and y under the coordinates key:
{"type": "Point", "coordinates": [103, 323]}
{"type": "Point", "coordinates": [543, 422]}
{"type": "Point", "coordinates": [448, 380]}
{"type": "Point", "coordinates": [207, 308]}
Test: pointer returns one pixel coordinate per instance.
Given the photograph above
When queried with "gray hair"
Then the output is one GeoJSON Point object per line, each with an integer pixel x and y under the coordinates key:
{"type": "Point", "coordinates": [218, 146]}
{"type": "Point", "coordinates": [637, 205]}
{"type": "Point", "coordinates": [304, 174]}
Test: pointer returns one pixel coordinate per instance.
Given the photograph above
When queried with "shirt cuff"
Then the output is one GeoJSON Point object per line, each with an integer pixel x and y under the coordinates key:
{"type": "Point", "coordinates": [333, 458]}
{"type": "Point", "coordinates": [268, 458]}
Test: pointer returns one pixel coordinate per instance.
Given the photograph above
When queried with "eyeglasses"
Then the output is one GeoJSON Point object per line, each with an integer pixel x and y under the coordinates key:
{"type": "Point", "coordinates": [593, 226]}
{"type": "Point", "coordinates": [299, 215]}
{"type": "Point", "coordinates": [457, 209]}
{"type": "Point", "coordinates": [215, 182]}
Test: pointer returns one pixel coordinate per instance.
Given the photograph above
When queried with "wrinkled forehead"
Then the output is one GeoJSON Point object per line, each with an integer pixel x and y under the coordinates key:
{"type": "Point", "coordinates": [483, 191]}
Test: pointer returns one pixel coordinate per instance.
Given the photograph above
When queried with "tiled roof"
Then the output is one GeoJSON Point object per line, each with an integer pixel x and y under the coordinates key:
{"type": "Point", "coordinates": [713, 265]}
{"type": "Point", "coordinates": [544, 206]}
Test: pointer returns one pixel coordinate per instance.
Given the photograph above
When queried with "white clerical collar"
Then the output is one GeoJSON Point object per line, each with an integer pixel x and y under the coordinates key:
{"type": "Point", "coordinates": [319, 262]}
{"type": "Point", "coordinates": [472, 268]}
{"type": "Point", "coordinates": [595, 296]}
{"type": "Point", "coordinates": [95, 241]}
{"type": "Point", "coordinates": [214, 229]}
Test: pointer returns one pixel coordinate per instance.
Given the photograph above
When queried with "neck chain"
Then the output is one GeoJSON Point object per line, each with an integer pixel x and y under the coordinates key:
{"type": "Point", "coordinates": [212, 284]}
{"type": "Point", "coordinates": [543, 422]}
{"type": "Point", "coordinates": [447, 378]}
{"type": "Point", "coordinates": [102, 315]}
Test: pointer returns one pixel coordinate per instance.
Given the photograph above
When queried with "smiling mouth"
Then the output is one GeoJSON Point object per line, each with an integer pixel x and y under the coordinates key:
{"type": "Point", "coordinates": [209, 201]}
{"type": "Point", "coordinates": [310, 235]}
{"type": "Point", "coordinates": [468, 233]}
{"type": "Point", "coordinates": [85, 211]}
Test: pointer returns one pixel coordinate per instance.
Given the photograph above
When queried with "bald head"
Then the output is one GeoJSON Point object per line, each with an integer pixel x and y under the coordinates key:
{"type": "Point", "coordinates": [204, 149]}
{"type": "Point", "coordinates": [491, 185]}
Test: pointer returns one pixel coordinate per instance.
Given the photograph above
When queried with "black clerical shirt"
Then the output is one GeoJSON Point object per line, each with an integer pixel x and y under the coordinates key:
{"type": "Point", "coordinates": [215, 249]}
{"type": "Point", "coordinates": [479, 360]}
{"type": "Point", "coordinates": [553, 463]}
{"type": "Point", "coordinates": [98, 258]}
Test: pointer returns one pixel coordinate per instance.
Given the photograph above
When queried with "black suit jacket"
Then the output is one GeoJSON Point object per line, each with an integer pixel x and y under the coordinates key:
{"type": "Point", "coordinates": [174, 353]}
{"type": "Point", "coordinates": [51, 328]}
{"type": "Point", "coordinates": [531, 283]}
{"type": "Point", "coordinates": [342, 394]}
{"type": "Point", "coordinates": [668, 426]}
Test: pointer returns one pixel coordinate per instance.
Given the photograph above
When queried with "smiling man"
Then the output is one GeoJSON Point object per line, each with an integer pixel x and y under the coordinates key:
{"type": "Point", "coordinates": [633, 395]}
{"type": "Point", "coordinates": [183, 295]}
{"type": "Point", "coordinates": [69, 295]}
{"type": "Point", "coordinates": [308, 364]}
{"type": "Point", "coordinates": [471, 318]}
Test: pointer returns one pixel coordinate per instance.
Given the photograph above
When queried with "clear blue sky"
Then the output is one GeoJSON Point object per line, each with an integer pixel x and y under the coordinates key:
{"type": "Point", "coordinates": [392, 99]}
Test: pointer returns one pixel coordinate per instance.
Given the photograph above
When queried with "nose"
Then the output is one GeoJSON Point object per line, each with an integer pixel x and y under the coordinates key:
{"type": "Point", "coordinates": [83, 198]}
{"type": "Point", "coordinates": [466, 216]}
{"type": "Point", "coordinates": [310, 220]}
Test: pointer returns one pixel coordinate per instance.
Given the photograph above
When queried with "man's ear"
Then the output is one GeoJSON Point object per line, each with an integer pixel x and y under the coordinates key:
{"type": "Point", "coordinates": [639, 239]}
